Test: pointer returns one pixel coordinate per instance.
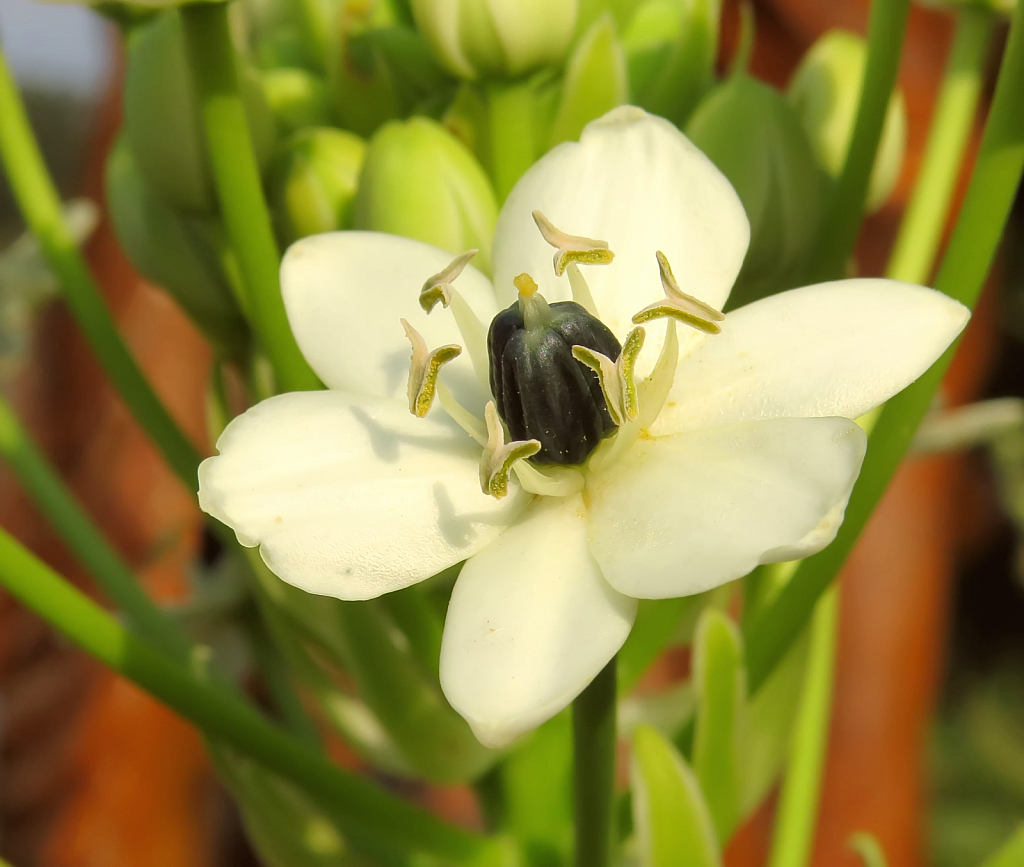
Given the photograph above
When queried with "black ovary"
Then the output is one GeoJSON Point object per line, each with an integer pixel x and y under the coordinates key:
{"type": "Point", "coordinates": [541, 391]}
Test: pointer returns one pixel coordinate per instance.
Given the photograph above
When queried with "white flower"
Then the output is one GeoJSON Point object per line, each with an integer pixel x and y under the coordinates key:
{"type": "Point", "coordinates": [740, 452]}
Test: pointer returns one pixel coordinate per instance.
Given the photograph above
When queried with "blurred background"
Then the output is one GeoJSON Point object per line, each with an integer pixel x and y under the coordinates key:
{"type": "Point", "coordinates": [927, 740]}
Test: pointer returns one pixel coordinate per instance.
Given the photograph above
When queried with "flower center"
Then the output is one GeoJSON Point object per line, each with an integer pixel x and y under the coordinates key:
{"type": "Point", "coordinates": [563, 386]}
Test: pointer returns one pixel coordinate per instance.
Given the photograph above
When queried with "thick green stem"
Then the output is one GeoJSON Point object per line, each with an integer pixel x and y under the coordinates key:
{"type": "Point", "coordinates": [361, 809]}
{"type": "Point", "coordinates": [841, 223]}
{"type": "Point", "coordinates": [239, 189]}
{"type": "Point", "coordinates": [921, 229]}
{"type": "Point", "coordinates": [593, 730]}
{"type": "Point", "coordinates": [797, 812]}
{"type": "Point", "coordinates": [40, 205]}
{"type": "Point", "coordinates": [967, 262]}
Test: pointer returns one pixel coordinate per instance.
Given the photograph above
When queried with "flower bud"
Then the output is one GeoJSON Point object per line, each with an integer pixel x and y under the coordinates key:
{"type": "Point", "coordinates": [541, 391]}
{"type": "Point", "coordinates": [421, 182]}
{"type": "Point", "coordinates": [671, 48]}
{"type": "Point", "coordinates": [162, 124]}
{"type": "Point", "coordinates": [825, 91]}
{"type": "Point", "coordinates": [312, 182]}
{"type": "Point", "coordinates": [176, 252]}
{"type": "Point", "coordinates": [486, 39]}
{"type": "Point", "coordinates": [754, 137]}
{"type": "Point", "coordinates": [296, 98]}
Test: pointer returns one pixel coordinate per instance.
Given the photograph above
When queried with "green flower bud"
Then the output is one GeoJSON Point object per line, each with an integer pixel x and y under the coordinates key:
{"type": "Point", "coordinates": [753, 135]}
{"type": "Point", "coordinates": [162, 124]}
{"type": "Point", "coordinates": [179, 253]}
{"type": "Point", "coordinates": [671, 47]}
{"type": "Point", "coordinates": [380, 69]}
{"type": "Point", "coordinates": [825, 91]}
{"type": "Point", "coordinates": [421, 182]}
{"type": "Point", "coordinates": [297, 99]}
{"type": "Point", "coordinates": [312, 182]}
{"type": "Point", "coordinates": [496, 38]}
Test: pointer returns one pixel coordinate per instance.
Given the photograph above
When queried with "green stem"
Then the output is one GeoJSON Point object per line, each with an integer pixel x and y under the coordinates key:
{"type": "Point", "coordinates": [593, 730]}
{"type": "Point", "coordinates": [239, 189]}
{"type": "Point", "coordinates": [841, 223]}
{"type": "Point", "coordinates": [362, 809]}
{"type": "Point", "coordinates": [967, 262]}
{"type": "Point", "coordinates": [40, 205]}
{"type": "Point", "coordinates": [921, 229]}
{"type": "Point", "coordinates": [797, 812]}
{"type": "Point", "coordinates": [77, 531]}
{"type": "Point", "coordinates": [1010, 854]}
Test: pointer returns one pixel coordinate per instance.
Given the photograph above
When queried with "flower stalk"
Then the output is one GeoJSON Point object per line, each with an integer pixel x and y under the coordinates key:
{"type": "Point", "coordinates": [841, 223]}
{"type": "Point", "coordinates": [362, 810]}
{"type": "Point", "coordinates": [964, 268]}
{"type": "Point", "coordinates": [239, 189]}
{"type": "Point", "coordinates": [39, 203]}
{"type": "Point", "coordinates": [593, 730]}
{"type": "Point", "coordinates": [921, 228]}
{"type": "Point", "coordinates": [801, 791]}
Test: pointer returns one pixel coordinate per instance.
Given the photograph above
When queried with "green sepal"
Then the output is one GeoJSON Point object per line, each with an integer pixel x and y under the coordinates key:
{"type": "Point", "coordinates": [672, 820]}
{"type": "Point", "coordinates": [595, 81]}
{"type": "Point", "coordinates": [162, 126]}
{"type": "Point", "coordinates": [719, 737]}
{"type": "Point", "coordinates": [182, 254]}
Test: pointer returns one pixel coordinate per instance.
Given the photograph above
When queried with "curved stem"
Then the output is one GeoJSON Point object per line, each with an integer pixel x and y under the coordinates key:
{"type": "Point", "coordinates": [593, 730]}
{"type": "Point", "coordinates": [40, 205]}
{"type": "Point", "coordinates": [797, 812]}
{"type": "Point", "coordinates": [921, 228]}
{"type": "Point", "coordinates": [967, 261]}
{"type": "Point", "coordinates": [239, 189]}
{"type": "Point", "coordinates": [77, 531]}
{"type": "Point", "coordinates": [363, 811]}
{"type": "Point", "coordinates": [842, 219]}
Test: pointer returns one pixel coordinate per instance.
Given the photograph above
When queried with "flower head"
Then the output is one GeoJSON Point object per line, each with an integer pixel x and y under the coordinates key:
{"type": "Point", "coordinates": [712, 443]}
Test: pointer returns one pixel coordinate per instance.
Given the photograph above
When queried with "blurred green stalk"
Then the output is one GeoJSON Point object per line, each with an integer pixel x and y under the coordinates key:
{"type": "Point", "coordinates": [593, 737]}
{"type": "Point", "coordinates": [797, 813]}
{"type": "Point", "coordinates": [967, 262]}
{"type": "Point", "coordinates": [841, 223]}
{"type": "Point", "coordinates": [40, 205]}
{"type": "Point", "coordinates": [921, 228]}
{"type": "Point", "coordinates": [240, 190]}
{"type": "Point", "coordinates": [361, 809]}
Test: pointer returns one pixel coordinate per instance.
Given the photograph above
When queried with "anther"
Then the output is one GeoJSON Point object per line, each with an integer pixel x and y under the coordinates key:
{"type": "Point", "coordinates": [572, 248]}
{"type": "Point", "coordinates": [680, 306]}
{"type": "Point", "coordinates": [423, 370]}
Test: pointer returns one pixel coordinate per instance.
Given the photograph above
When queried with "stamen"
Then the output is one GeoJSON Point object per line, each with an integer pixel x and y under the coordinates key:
{"type": "Point", "coordinates": [424, 369]}
{"type": "Point", "coordinates": [680, 306]}
{"type": "Point", "coordinates": [572, 248]}
{"type": "Point", "coordinates": [439, 288]}
{"type": "Point", "coordinates": [549, 481]}
{"type": "Point", "coordinates": [617, 378]}
{"type": "Point", "coordinates": [655, 388]}
{"type": "Point", "coordinates": [470, 423]}
{"type": "Point", "coordinates": [580, 290]}
{"type": "Point", "coordinates": [499, 457]}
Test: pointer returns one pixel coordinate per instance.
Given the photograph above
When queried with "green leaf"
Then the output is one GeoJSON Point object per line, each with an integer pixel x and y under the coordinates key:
{"type": "Point", "coordinates": [869, 849]}
{"type": "Point", "coordinates": [595, 81]}
{"type": "Point", "coordinates": [672, 820]}
{"type": "Point", "coordinates": [720, 683]}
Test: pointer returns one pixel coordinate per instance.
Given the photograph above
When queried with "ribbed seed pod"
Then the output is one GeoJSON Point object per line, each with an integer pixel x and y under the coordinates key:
{"type": "Point", "coordinates": [540, 390]}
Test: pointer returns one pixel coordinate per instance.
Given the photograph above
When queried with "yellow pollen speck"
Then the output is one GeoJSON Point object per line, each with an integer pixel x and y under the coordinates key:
{"type": "Point", "coordinates": [526, 285]}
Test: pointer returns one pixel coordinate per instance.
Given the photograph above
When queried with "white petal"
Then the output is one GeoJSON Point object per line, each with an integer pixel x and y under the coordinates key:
{"type": "Point", "coordinates": [530, 623]}
{"type": "Point", "coordinates": [350, 496]}
{"type": "Point", "coordinates": [638, 183]}
{"type": "Point", "coordinates": [835, 349]}
{"type": "Point", "coordinates": [346, 292]}
{"type": "Point", "coordinates": [682, 514]}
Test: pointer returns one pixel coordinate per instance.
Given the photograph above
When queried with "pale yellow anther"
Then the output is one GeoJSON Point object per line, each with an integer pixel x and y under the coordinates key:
{"type": "Point", "coordinates": [680, 306]}
{"type": "Point", "coordinates": [439, 287]}
{"type": "Point", "coordinates": [424, 369]}
{"type": "Point", "coordinates": [572, 248]}
{"type": "Point", "coordinates": [618, 379]}
{"type": "Point", "coordinates": [499, 457]}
